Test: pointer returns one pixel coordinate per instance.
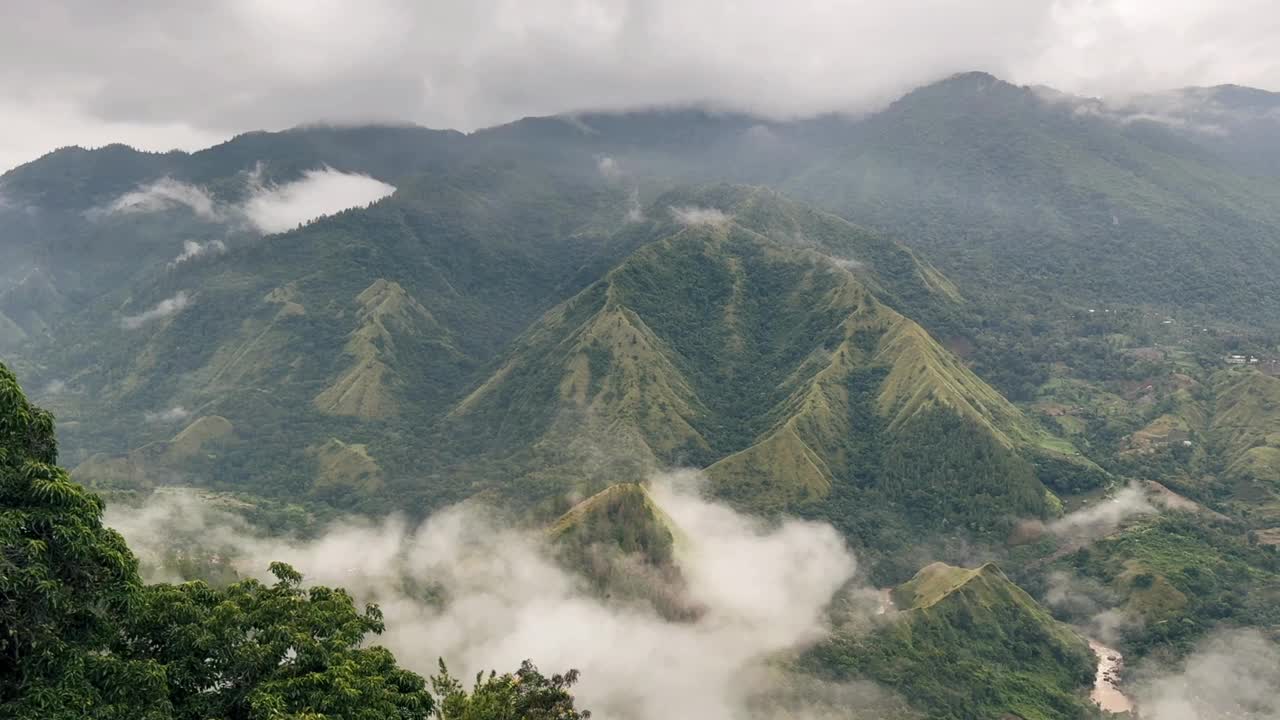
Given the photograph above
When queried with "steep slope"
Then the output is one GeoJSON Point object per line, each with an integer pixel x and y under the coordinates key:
{"type": "Point", "coordinates": [368, 388]}
{"type": "Point", "coordinates": [365, 326]}
{"type": "Point", "coordinates": [967, 644]}
{"type": "Point", "coordinates": [627, 548]}
{"type": "Point", "coordinates": [1245, 430]}
{"type": "Point", "coordinates": [763, 359]}
{"type": "Point", "coordinates": [161, 462]}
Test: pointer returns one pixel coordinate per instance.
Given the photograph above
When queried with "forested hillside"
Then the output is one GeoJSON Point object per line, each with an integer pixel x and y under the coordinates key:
{"type": "Point", "coordinates": [986, 323]}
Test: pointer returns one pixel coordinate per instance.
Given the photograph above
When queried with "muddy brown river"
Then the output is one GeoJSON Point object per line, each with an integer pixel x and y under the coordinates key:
{"type": "Point", "coordinates": [1106, 684]}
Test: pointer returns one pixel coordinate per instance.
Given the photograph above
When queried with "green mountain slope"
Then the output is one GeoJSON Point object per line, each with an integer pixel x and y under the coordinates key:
{"type": "Point", "coordinates": [968, 644]}
{"type": "Point", "coordinates": [731, 345]}
{"type": "Point", "coordinates": [1011, 189]}
{"type": "Point", "coordinates": [359, 327]}
{"type": "Point", "coordinates": [626, 547]}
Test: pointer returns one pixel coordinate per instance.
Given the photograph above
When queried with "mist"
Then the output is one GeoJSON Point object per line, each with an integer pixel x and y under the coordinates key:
{"type": "Point", "coordinates": [1232, 674]}
{"type": "Point", "coordinates": [764, 590]}
{"type": "Point", "coordinates": [172, 415]}
{"type": "Point", "coordinates": [699, 216]}
{"type": "Point", "coordinates": [277, 208]}
{"type": "Point", "coordinates": [163, 309]}
{"type": "Point", "coordinates": [609, 168]}
{"type": "Point", "coordinates": [164, 194]}
{"type": "Point", "coordinates": [192, 249]}
{"type": "Point", "coordinates": [268, 208]}
{"type": "Point", "coordinates": [1105, 516]}
{"type": "Point", "coordinates": [1090, 605]}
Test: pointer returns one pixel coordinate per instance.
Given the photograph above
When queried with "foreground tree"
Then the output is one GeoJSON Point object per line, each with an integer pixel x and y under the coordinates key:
{"type": "Point", "coordinates": [65, 579]}
{"type": "Point", "coordinates": [82, 637]}
{"type": "Point", "coordinates": [271, 651]}
{"type": "Point", "coordinates": [525, 695]}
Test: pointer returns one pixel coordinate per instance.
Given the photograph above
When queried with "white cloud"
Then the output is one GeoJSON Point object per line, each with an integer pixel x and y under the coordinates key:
{"type": "Point", "coordinates": [694, 216]}
{"type": "Point", "coordinates": [267, 209]}
{"type": "Point", "coordinates": [608, 167]}
{"type": "Point", "coordinates": [1104, 516]}
{"type": "Point", "coordinates": [172, 415]}
{"type": "Point", "coordinates": [277, 208]}
{"type": "Point", "coordinates": [634, 213]}
{"type": "Point", "coordinates": [164, 194]}
{"type": "Point", "coordinates": [1232, 674]}
{"type": "Point", "coordinates": [764, 590]}
{"type": "Point", "coordinates": [163, 309]}
{"type": "Point", "coordinates": [192, 249]}
{"type": "Point", "coordinates": [845, 263]}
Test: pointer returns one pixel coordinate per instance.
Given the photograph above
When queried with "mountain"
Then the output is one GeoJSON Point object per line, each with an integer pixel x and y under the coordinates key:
{"type": "Point", "coordinates": [784, 349]}
{"type": "Point", "coordinates": [367, 319]}
{"type": "Point", "coordinates": [1012, 191]}
{"type": "Point", "coordinates": [938, 327]}
{"type": "Point", "coordinates": [968, 643]}
{"type": "Point", "coordinates": [749, 339]}
{"type": "Point", "coordinates": [1239, 124]}
{"type": "Point", "coordinates": [627, 547]}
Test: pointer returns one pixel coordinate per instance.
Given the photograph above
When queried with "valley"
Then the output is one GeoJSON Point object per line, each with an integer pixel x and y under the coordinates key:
{"type": "Point", "coordinates": [949, 410]}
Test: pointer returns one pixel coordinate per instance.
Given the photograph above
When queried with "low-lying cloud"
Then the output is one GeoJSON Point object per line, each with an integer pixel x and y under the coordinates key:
{"type": "Point", "coordinates": [192, 250]}
{"type": "Point", "coordinates": [1232, 674]}
{"type": "Point", "coordinates": [691, 216]}
{"type": "Point", "coordinates": [1090, 605]}
{"type": "Point", "coordinates": [268, 208]}
{"type": "Point", "coordinates": [276, 208]}
{"type": "Point", "coordinates": [163, 309]}
{"type": "Point", "coordinates": [172, 415]}
{"type": "Point", "coordinates": [164, 194]}
{"type": "Point", "coordinates": [608, 167]}
{"type": "Point", "coordinates": [846, 263]}
{"type": "Point", "coordinates": [634, 212]}
{"type": "Point", "coordinates": [763, 591]}
{"type": "Point", "coordinates": [1105, 516]}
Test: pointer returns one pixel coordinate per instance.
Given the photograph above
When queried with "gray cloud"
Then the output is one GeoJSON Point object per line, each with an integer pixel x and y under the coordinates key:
{"type": "Point", "coordinates": [163, 309]}
{"type": "Point", "coordinates": [763, 588]}
{"type": "Point", "coordinates": [74, 71]}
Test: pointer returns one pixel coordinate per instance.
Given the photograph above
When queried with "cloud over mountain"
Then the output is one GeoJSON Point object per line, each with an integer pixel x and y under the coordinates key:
{"type": "Point", "coordinates": [764, 590]}
{"type": "Point", "coordinates": [325, 191]}
{"type": "Point", "coordinates": [70, 76]}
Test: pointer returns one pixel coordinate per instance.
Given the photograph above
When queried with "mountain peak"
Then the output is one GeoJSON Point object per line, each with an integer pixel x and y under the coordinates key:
{"type": "Point", "coordinates": [963, 91]}
{"type": "Point", "coordinates": [936, 581]}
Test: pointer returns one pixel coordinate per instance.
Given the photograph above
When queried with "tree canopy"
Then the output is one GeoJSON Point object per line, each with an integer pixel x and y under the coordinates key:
{"type": "Point", "coordinates": [81, 636]}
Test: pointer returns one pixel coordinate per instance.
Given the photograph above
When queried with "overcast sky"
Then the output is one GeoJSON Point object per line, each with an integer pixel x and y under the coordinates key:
{"type": "Point", "coordinates": [170, 73]}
